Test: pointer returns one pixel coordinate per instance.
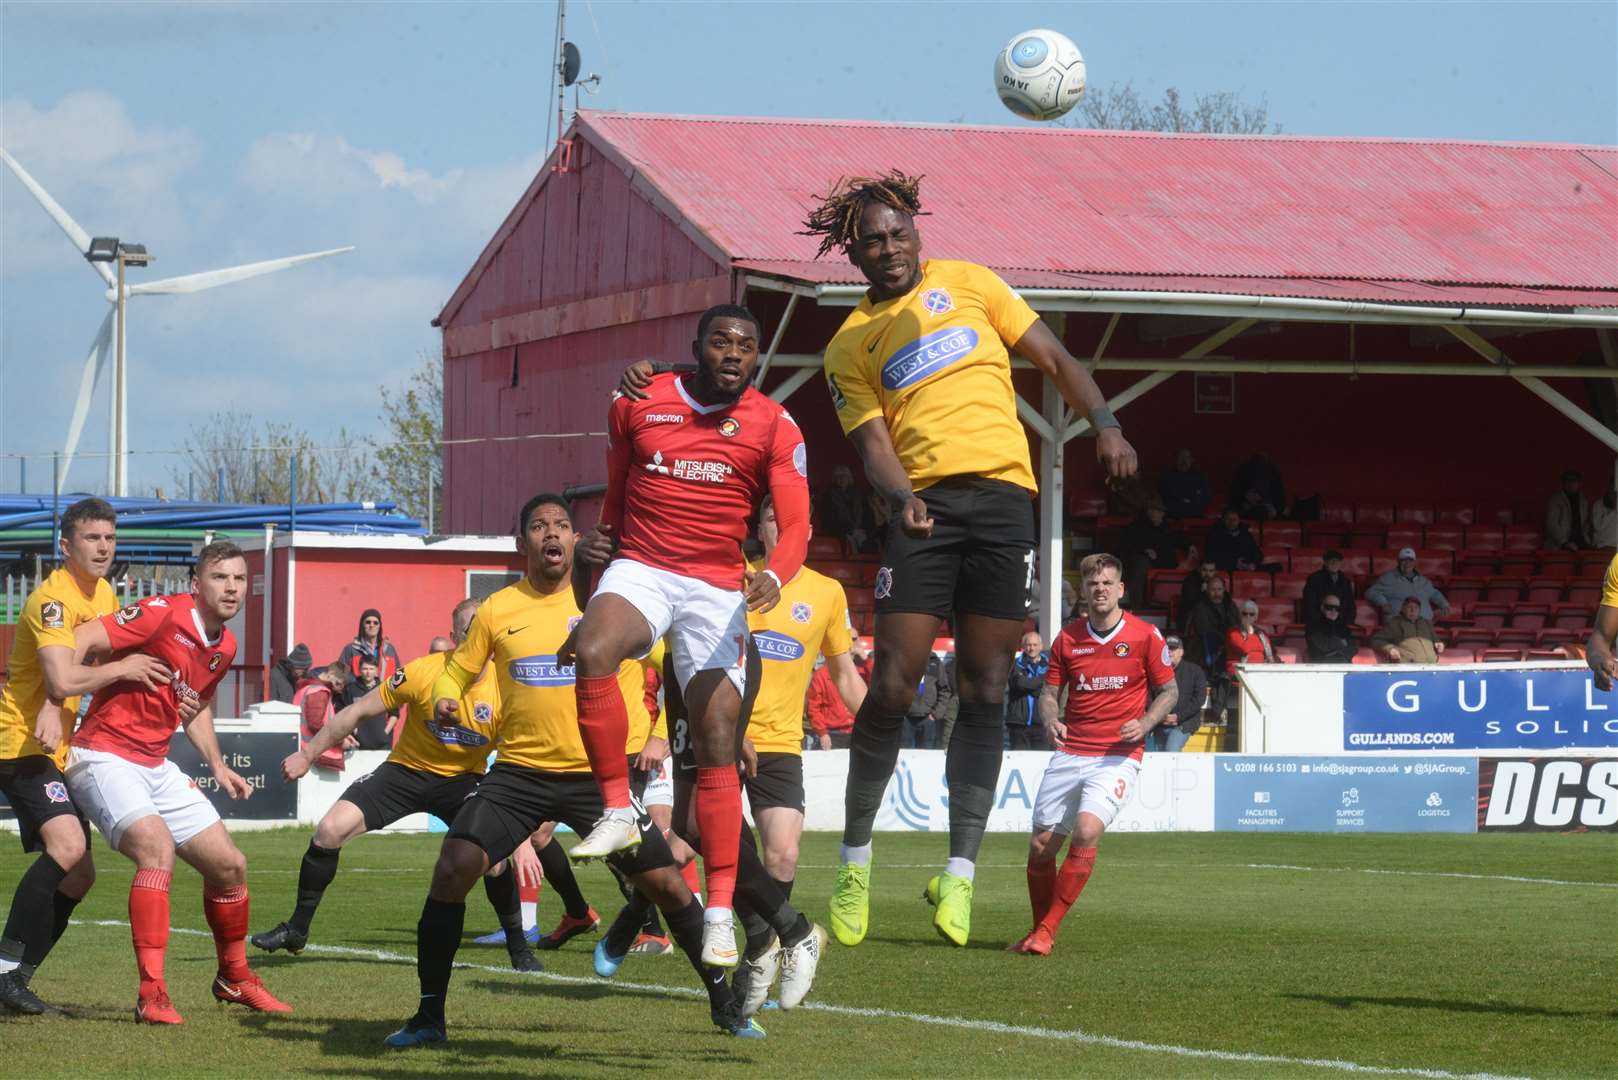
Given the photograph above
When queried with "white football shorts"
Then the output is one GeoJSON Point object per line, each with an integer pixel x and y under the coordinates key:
{"type": "Point", "coordinates": [115, 792]}
{"type": "Point", "coordinates": [659, 786]}
{"type": "Point", "coordinates": [1073, 784]}
{"type": "Point", "coordinates": [707, 626]}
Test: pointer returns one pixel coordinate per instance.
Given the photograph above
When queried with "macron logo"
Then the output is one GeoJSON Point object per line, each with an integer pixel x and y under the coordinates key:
{"type": "Point", "coordinates": [664, 418]}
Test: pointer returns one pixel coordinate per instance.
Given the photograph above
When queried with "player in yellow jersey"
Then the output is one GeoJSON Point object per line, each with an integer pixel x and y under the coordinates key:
{"type": "Point", "coordinates": [541, 773]}
{"type": "Point", "coordinates": [1598, 651]}
{"type": "Point", "coordinates": [432, 770]}
{"type": "Point", "coordinates": [38, 706]}
{"type": "Point", "coordinates": [920, 375]}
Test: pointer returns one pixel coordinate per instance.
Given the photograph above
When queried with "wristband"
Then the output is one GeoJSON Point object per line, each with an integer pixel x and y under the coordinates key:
{"type": "Point", "coordinates": [776, 576]}
{"type": "Point", "coordinates": [1101, 417]}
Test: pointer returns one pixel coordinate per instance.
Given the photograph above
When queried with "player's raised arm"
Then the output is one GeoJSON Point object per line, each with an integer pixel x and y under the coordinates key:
{"type": "Point", "coordinates": [67, 674]}
{"type": "Point", "coordinates": [789, 492]}
{"type": "Point", "coordinates": [1041, 347]}
{"type": "Point", "coordinates": [341, 727]}
{"type": "Point", "coordinates": [461, 670]}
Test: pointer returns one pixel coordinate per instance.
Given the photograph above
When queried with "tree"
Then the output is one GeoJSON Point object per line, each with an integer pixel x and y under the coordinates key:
{"type": "Point", "coordinates": [255, 462]}
{"type": "Point", "coordinates": [407, 460]}
{"type": "Point", "coordinates": [1123, 108]}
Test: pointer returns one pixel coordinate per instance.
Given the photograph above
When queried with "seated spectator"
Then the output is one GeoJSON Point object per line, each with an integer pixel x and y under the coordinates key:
{"type": "Point", "coordinates": [1567, 516]}
{"type": "Point", "coordinates": [1253, 507]}
{"type": "Point", "coordinates": [1192, 683]}
{"type": "Point", "coordinates": [1024, 729]}
{"type": "Point", "coordinates": [1329, 580]}
{"type": "Point", "coordinates": [862, 658]}
{"type": "Point", "coordinates": [1207, 623]}
{"type": "Point", "coordinates": [370, 641]}
{"type": "Point", "coordinates": [317, 696]}
{"type": "Point", "coordinates": [1070, 601]}
{"type": "Point", "coordinates": [1184, 489]}
{"type": "Point", "coordinates": [286, 675]}
{"type": "Point", "coordinates": [840, 511]}
{"type": "Point", "coordinates": [949, 702]}
{"type": "Point", "coordinates": [1245, 641]}
{"type": "Point", "coordinates": [1191, 590]}
{"type": "Point", "coordinates": [1230, 544]}
{"type": "Point", "coordinates": [1604, 521]}
{"type": "Point", "coordinates": [1258, 483]}
{"type": "Point", "coordinates": [1392, 589]}
{"type": "Point", "coordinates": [1147, 544]}
{"type": "Point", "coordinates": [377, 732]}
{"type": "Point", "coordinates": [1408, 638]}
{"type": "Point", "coordinates": [1328, 636]}
{"type": "Point", "coordinates": [921, 717]}
{"type": "Point", "coordinates": [829, 719]}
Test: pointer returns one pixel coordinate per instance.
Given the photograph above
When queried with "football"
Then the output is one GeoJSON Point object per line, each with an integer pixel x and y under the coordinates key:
{"type": "Point", "coordinates": [1039, 75]}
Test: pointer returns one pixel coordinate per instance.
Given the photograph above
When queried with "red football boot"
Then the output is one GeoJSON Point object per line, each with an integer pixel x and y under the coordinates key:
{"type": "Point", "coordinates": [1038, 942]}
{"type": "Point", "coordinates": [250, 992]}
{"type": "Point", "coordinates": [568, 929]}
{"type": "Point", "coordinates": [156, 1008]}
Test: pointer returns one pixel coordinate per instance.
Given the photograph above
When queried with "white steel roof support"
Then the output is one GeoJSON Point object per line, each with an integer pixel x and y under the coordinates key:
{"type": "Point", "coordinates": [1537, 386]}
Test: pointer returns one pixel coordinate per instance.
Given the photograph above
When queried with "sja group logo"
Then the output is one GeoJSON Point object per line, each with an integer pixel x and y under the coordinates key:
{"type": "Point", "coordinates": [1548, 794]}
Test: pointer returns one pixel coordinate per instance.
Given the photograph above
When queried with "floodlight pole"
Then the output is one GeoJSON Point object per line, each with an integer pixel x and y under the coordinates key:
{"type": "Point", "coordinates": [120, 418]}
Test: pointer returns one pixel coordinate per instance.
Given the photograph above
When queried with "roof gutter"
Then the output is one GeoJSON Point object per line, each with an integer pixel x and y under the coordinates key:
{"type": "Point", "coordinates": [1233, 306]}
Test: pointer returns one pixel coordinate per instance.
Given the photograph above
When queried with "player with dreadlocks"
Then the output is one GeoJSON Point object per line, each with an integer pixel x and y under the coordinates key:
{"type": "Point", "coordinates": [921, 379]}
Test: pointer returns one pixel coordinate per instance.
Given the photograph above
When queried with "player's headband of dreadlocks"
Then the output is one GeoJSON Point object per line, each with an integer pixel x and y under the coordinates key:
{"type": "Point", "coordinates": [837, 219]}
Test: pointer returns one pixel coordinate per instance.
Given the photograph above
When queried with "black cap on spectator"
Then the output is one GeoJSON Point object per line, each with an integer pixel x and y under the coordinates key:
{"type": "Point", "coordinates": [1173, 641]}
{"type": "Point", "coordinates": [1331, 553]}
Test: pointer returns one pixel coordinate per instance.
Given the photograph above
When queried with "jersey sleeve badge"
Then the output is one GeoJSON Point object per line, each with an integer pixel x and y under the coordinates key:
{"type": "Point", "coordinates": [51, 615]}
{"type": "Point", "coordinates": [215, 660]}
{"type": "Point", "coordinates": [127, 615]}
{"type": "Point", "coordinates": [398, 679]}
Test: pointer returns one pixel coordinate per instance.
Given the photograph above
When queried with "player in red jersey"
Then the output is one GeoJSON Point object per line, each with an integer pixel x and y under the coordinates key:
{"type": "Point", "coordinates": [687, 467]}
{"type": "Point", "coordinates": [145, 806]}
{"type": "Point", "coordinates": [1120, 686]}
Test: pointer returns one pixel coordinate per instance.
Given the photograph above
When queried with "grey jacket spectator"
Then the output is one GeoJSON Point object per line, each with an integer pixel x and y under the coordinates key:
{"type": "Point", "coordinates": [921, 717]}
{"type": "Point", "coordinates": [1567, 516]}
{"type": "Point", "coordinates": [1392, 588]}
{"type": "Point", "coordinates": [1329, 580]}
{"type": "Point", "coordinates": [1230, 545]}
{"type": "Point", "coordinates": [1148, 543]}
{"type": "Point", "coordinates": [1184, 489]}
{"type": "Point", "coordinates": [1191, 591]}
{"type": "Point", "coordinates": [949, 702]}
{"type": "Point", "coordinates": [1604, 522]}
{"type": "Point", "coordinates": [1329, 638]}
{"type": "Point", "coordinates": [285, 676]}
{"type": "Point", "coordinates": [841, 511]}
{"type": "Point", "coordinates": [1209, 619]}
{"type": "Point", "coordinates": [1023, 727]}
{"type": "Point", "coordinates": [1192, 683]}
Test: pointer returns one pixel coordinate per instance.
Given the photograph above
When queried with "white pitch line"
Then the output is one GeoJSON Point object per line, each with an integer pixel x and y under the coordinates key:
{"type": "Point", "coordinates": [1128, 864]}
{"type": "Point", "coordinates": [959, 1023]}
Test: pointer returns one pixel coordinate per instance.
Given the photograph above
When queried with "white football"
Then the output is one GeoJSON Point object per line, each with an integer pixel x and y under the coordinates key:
{"type": "Point", "coordinates": [1039, 75]}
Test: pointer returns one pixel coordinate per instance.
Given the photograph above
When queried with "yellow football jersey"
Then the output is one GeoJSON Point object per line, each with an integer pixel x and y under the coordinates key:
{"type": "Point", "coordinates": [521, 630]}
{"type": "Point", "coordinates": [423, 745]}
{"type": "Point", "coordinates": [934, 365]}
{"type": "Point", "coordinates": [48, 618]}
{"type": "Point", "coordinates": [1609, 585]}
{"type": "Point", "coordinates": [810, 620]}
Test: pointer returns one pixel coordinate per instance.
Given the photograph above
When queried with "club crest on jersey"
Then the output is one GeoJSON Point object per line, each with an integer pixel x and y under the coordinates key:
{"type": "Point", "coordinates": [398, 679]}
{"type": "Point", "coordinates": [884, 583]}
{"type": "Point", "coordinates": [774, 646]}
{"type": "Point", "coordinates": [800, 459]}
{"type": "Point", "coordinates": [1121, 649]}
{"type": "Point", "coordinates": [928, 355]}
{"type": "Point", "coordinates": [729, 426]}
{"type": "Point", "coordinates": [55, 791]}
{"type": "Point", "coordinates": [127, 615]}
{"type": "Point", "coordinates": [51, 616]}
{"type": "Point", "coordinates": [541, 671]}
{"type": "Point", "coordinates": [838, 401]}
{"type": "Point", "coordinates": [801, 612]}
{"type": "Point", "coordinates": [215, 660]}
{"type": "Point", "coordinates": [937, 301]}
{"type": "Point", "coordinates": [1168, 661]}
{"type": "Point", "coordinates": [482, 713]}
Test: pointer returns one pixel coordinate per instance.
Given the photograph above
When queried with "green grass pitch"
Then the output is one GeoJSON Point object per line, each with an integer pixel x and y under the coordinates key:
{"type": "Point", "coordinates": [1188, 955]}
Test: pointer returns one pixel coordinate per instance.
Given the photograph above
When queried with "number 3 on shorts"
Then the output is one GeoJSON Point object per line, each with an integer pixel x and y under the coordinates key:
{"type": "Point", "coordinates": [1120, 788]}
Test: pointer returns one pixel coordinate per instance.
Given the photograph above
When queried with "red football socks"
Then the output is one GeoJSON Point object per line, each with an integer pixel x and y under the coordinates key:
{"type": "Point", "coordinates": [604, 727]}
{"type": "Point", "coordinates": [689, 872]}
{"type": "Point", "coordinates": [149, 925]}
{"type": "Point", "coordinates": [1069, 884]}
{"type": "Point", "coordinates": [1041, 884]}
{"type": "Point", "coordinates": [719, 820]}
{"type": "Point", "coordinates": [226, 910]}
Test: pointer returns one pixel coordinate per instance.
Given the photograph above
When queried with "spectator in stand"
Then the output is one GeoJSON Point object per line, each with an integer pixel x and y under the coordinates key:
{"type": "Point", "coordinates": [286, 675]}
{"type": "Point", "coordinates": [1231, 545]}
{"type": "Point", "coordinates": [1184, 489]}
{"type": "Point", "coordinates": [841, 511]}
{"type": "Point", "coordinates": [1024, 729]}
{"type": "Point", "coordinates": [1070, 601]}
{"type": "Point", "coordinates": [1392, 588]}
{"type": "Point", "coordinates": [1207, 623]}
{"type": "Point", "coordinates": [829, 718]}
{"type": "Point", "coordinates": [1604, 521]}
{"type": "Point", "coordinates": [1257, 484]}
{"type": "Point", "coordinates": [1408, 638]}
{"type": "Point", "coordinates": [1245, 641]}
{"type": "Point", "coordinates": [377, 732]}
{"type": "Point", "coordinates": [317, 696]}
{"type": "Point", "coordinates": [1329, 638]}
{"type": "Point", "coordinates": [860, 653]}
{"type": "Point", "coordinates": [1191, 590]}
{"type": "Point", "coordinates": [369, 641]}
{"type": "Point", "coordinates": [920, 718]}
{"type": "Point", "coordinates": [1567, 516]}
{"type": "Point", "coordinates": [1147, 544]}
{"type": "Point", "coordinates": [1192, 683]}
{"type": "Point", "coordinates": [1329, 580]}
{"type": "Point", "coordinates": [877, 512]}
{"type": "Point", "coordinates": [949, 702]}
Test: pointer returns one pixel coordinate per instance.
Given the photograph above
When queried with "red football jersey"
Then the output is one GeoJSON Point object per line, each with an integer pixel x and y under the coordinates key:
{"type": "Point", "coordinates": [683, 479]}
{"type": "Point", "coordinates": [136, 723]}
{"type": "Point", "coordinates": [1107, 676]}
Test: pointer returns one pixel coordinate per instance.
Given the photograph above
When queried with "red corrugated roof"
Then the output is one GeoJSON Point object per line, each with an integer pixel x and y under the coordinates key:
{"type": "Point", "coordinates": [1379, 219]}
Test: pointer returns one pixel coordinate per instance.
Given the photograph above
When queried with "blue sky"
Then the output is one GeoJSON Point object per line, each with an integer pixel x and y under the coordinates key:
{"type": "Point", "coordinates": [223, 133]}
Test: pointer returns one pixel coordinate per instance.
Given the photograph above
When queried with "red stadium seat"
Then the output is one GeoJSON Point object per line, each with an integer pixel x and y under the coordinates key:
{"type": "Point", "coordinates": [1593, 564]}
{"type": "Point", "coordinates": [824, 548]}
{"type": "Point", "coordinates": [1289, 586]}
{"type": "Point", "coordinates": [1503, 590]}
{"type": "Point", "coordinates": [861, 597]}
{"type": "Point", "coordinates": [1305, 560]}
{"type": "Point", "coordinates": [1558, 564]}
{"type": "Point", "coordinates": [1490, 616]}
{"type": "Point", "coordinates": [847, 573]}
{"type": "Point", "coordinates": [1485, 538]}
{"type": "Point", "coordinates": [1286, 655]}
{"type": "Point", "coordinates": [1474, 637]}
{"type": "Point", "coordinates": [1444, 537]}
{"type": "Point", "coordinates": [1544, 654]}
{"type": "Point", "coordinates": [1163, 586]}
{"type": "Point", "coordinates": [1274, 613]}
{"type": "Point", "coordinates": [1414, 514]}
{"type": "Point", "coordinates": [1404, 536]}
{"type": "Point", "coordinates": [1324, 534]}
{"type": "Point", "coordinates": [1080, 505]}
{"type": "Point", "coordinates": [1512, 636]}
{"type": "Point", "coordinates": [1482, 563]}
{"type": "Point", "coordinates": [1281, 534]}
{"type": "Point", "coordinates": [1519, 565]}
{"type": "Point", "coordinates": [1336, 513]}
{"type": "Point", "coordinates": [1453, 512]}
{"type": "Point", "coordinates": [1500, 655]}
{"type": "Point", "coordinates": [1373, 513]}
{"type": "Point", "coordinates": [1552, 638]}
{"type": "Point", "coordinates": [1382, 562]}
{"type": "Point", "coordinates": [1464, 591]}
{"type": "Point", "coordinates": [1365, 656]}
{"type": "Point", "coordinates": [1494, 512]}
{"type": "Point", "coordinates": [864, 619]}
{"type": "Point", "coordinates": [1366, 536]}
{"type": "Point", "coordinates": [1576, 617]}
{"type": "Point", "coordinates": [1587, 596]}
{"type": "Point", "coordinates": [1251, 585]}
{"type": "Point", "coordinates": [1438, 565]}
{"type": "Point", "coordinates": [1458, 654]}
{"type": "Point", "coordinates": [1541, 591]}
{"type": "Point", "coordinates": [1357, 564]}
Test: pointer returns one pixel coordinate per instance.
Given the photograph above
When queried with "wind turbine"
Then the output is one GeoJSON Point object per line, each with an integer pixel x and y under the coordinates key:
{"type": "Point", "coordinates": [99, 253]}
